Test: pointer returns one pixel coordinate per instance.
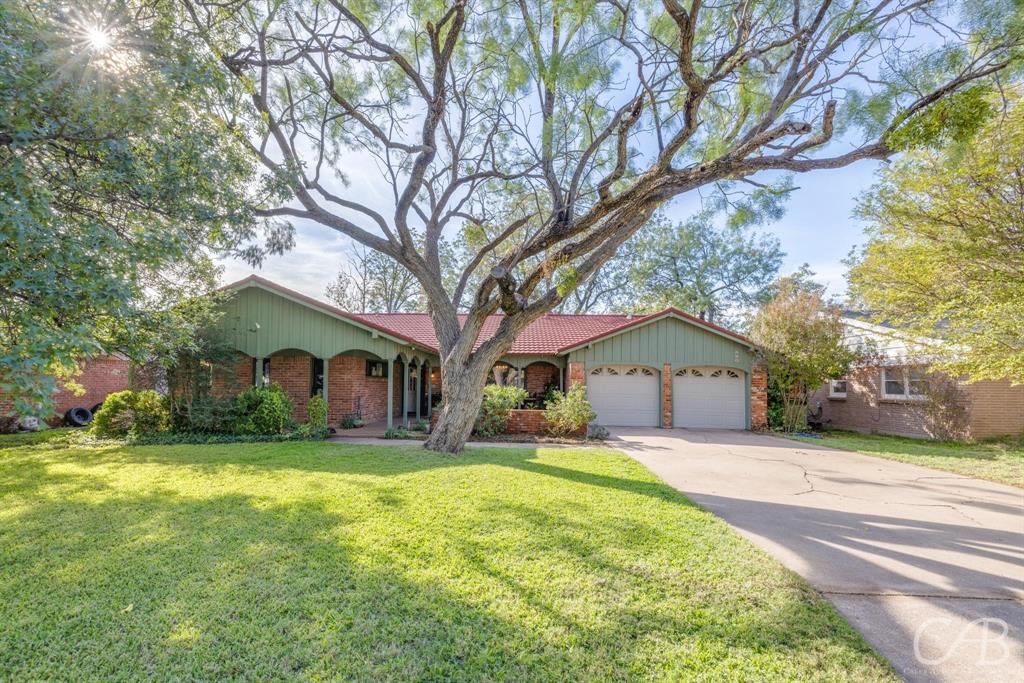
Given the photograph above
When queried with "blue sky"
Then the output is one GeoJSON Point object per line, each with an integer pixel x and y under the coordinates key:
{"type": "Point", "coordinates": [818, 229]}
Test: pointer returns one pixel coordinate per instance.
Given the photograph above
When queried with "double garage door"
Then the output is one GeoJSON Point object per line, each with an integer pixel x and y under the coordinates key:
{"type": "Point", "coordinates": [704, 397]}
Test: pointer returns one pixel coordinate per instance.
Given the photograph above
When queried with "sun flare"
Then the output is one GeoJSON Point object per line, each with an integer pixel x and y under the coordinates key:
{"type": "Point", "coordinates": [99, 38]}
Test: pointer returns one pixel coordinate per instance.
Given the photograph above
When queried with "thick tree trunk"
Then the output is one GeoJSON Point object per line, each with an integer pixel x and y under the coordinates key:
{"type": "Point", "coordinates": [463, 393]}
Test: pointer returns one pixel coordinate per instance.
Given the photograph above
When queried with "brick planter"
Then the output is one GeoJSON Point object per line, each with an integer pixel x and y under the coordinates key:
{"type": "Point", "coordinates": [521, 421]}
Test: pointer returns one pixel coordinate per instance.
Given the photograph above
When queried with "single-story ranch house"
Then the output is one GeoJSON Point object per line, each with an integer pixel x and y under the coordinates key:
{"type": "Point", "coordinates": [665, 369]}
{"type": "Point", "coordinates": [886, 396]}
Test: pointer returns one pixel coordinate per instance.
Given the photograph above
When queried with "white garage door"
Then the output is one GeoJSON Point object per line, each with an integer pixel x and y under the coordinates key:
{"type": "Point", "coordinates": [624, 395]}
{"type": "Point", "coordinates": [708, 398]}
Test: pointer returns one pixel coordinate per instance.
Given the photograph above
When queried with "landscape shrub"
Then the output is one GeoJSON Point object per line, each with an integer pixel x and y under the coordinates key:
{"type": "Point", "coordinates": [263, 410]}
{"type": "Point", "coordinates": [316, 410]}
{"type": "Point", "coordinates": [351, 421]}
{"type": "Point", "coordinates": [131, 412]}
{"type": "Point", "coordinates": [204, 415]}
{"type": "Point", "coordinates": [944, 410]}
{"type": "Point", "coordinates": [498, 402]}
{"type": "Point", "coordinates": [776, 409]}
{"type": "Point", "coordinates": [570, 412]}
{"type": "Point", "coordinates": [398, 433]}
{"type": "Point", "coordinates": [597, 432]}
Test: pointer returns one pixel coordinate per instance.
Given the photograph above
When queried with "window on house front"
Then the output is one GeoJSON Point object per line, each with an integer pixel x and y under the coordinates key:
{"type": "Point", "coordinates": [266, 371]}
{"type": "Point", "coordinates": [254, 375]}
{"type": "Point", "coordinates": [316, 385]}
{"type": "Point", "coordinates": [837, 388]}
{"type": "Point", "coordinates": [376, 368]}
{"type": "Point", "coordinates": [903, 383]}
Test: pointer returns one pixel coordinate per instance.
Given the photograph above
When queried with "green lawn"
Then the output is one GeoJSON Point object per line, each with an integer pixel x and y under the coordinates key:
{"type": "Point", "coordinates": [1001, 461]}
{"type": "Point", "coordinates": [323, 561]}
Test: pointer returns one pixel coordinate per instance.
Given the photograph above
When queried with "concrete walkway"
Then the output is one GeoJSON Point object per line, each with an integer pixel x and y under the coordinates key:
{"type": "Point", "coordinates": [927, 565]}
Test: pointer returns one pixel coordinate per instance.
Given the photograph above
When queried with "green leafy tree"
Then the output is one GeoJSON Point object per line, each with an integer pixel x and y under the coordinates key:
{"type": "Point", "coordinates": [801, 342]}
{"type": "Point", "coordinates": [713, 270]}
{"type": "Point", "coordinates": [548, 132]}
{"type": "Point", "coordinates": [115, 186]}
{"type": "Point", "coordinates": [945, 257]}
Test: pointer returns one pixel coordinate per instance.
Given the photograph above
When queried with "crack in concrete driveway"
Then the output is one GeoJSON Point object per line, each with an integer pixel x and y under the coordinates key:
{"type": "Point", "coordinates": [928, 567]}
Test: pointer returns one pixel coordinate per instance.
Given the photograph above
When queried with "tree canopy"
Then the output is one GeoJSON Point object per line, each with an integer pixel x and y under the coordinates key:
{"type": "Point", "coordinates": [945, 258]}
{"type": "Point", "coordinates": [375, 283]}
{"type": "Point", "coordinates": [114, 187]}
{"type": "Point", "coordinates": [715, 271]}
{"type": "Point", "coordinates": [801, 339]}
{"type": "Point", "coordinates": [548, 131]}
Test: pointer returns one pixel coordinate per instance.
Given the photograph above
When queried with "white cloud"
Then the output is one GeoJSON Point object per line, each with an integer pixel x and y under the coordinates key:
{"type": "Point", "coordinates": [314, 261]}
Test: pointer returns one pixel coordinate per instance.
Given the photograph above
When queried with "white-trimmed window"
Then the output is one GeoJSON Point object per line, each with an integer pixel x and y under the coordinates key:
{"type": "Point", "coordinates": [903, 383]}
{"type": "Point", "coordinates": [837, 388]}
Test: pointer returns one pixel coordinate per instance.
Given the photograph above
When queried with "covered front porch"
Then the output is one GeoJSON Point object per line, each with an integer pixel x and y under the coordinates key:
{"type": "Point", "coordinates": [358, 385]}
{"type": "Point", "coordinates": [363, 372]}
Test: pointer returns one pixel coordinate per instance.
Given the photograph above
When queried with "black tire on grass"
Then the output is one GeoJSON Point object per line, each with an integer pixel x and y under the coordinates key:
{"type": "Point", "coordinates": [78, 417]}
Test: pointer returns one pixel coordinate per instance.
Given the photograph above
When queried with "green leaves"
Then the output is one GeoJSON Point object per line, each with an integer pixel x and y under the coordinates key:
{"type": "Point", "coordinates": [115, 190]}
{"type": "Point", "coordinates": [943, 260]}
{"type": "Point", "coordinates": [953, 119]}
{"type": "Point", "coordinates": [801, 341]}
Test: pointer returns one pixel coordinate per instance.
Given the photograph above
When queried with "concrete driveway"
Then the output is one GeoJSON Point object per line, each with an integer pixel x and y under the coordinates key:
{"type": "Point", "coordinates": [927, 565]}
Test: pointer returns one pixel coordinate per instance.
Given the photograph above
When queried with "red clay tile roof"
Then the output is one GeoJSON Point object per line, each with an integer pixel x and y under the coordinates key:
{"type": "Point", "coordinates": [545, 336]}
{"type": "Point", "coordinates": [549, 335]}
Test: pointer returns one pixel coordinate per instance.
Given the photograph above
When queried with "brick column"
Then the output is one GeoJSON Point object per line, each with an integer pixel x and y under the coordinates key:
{"type": "Point", "coordinates": [666, 396]}
{"type": "Point", "coordinates": [759, 397]}
{"type": "Point", "coordinates": [577, 373]}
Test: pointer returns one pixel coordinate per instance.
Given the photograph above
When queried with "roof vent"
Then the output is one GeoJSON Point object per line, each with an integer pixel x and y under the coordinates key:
{"type": "Point", "coordinates": [629, 316]}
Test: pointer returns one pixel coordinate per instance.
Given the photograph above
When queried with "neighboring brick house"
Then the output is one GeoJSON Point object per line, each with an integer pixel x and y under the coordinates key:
{"type": "Point", "coordinates": [889, 395]}
{"type": "Point", "coordinates": [99, 377]}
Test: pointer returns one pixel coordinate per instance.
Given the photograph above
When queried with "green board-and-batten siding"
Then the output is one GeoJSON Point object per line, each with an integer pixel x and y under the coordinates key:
{"type": "Point", "coordinates": [668, 340]}
{"type": "Point", "coordinates": [260, 323]}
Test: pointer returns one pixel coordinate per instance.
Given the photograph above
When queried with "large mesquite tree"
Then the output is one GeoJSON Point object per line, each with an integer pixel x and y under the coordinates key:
{"type": "Point", "coordinates": [547, 132]}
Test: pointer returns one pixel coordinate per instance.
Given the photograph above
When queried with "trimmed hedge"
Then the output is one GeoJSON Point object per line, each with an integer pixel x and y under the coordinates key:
{"type": "Point", "coordinates": [131, 412]}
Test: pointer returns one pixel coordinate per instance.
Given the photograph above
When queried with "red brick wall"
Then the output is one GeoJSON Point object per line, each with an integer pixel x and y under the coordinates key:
{"type": "Point", "coordinates": [294, 374]}
{"type": "Point", "coordinates": [666, 396]}
{"type": "Point", "coordinates": [349, 390]}
{"type": "Point", "coordinates": [758, 397]}
{"type": "Point", "coordinates": [538, 376]}
{"type": "Point", "coordinates": [228, 382]}
{"type": "Point", "coordinates": [520, 421]}
{"type": "Point", "coordinates": [577, 373]}
{"type": "Point", "coordinates": [99, 377]}
{"type": "Point", "coordinates": [529, 422]}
